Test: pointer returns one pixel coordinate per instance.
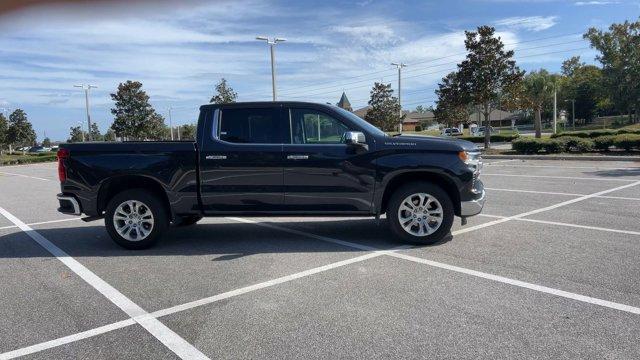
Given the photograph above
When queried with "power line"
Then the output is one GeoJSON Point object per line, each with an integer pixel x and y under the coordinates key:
{"type": "Point", "coordinates": [415, 69]}
{"type": "Point", "coordinates": [313, 86]}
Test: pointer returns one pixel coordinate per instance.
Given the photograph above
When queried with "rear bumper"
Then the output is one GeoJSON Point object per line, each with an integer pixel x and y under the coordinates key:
{"type": "Point", "coordinates": [474, 206]}
{"type": "Point", "coordinates": [69, 205]}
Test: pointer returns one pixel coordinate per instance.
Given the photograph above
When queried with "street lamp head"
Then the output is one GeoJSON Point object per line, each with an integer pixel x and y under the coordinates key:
{"type": "Point", "coordinates": [277, 40]}
{"type": "Point", "coordinates": [78, 86]}
{"type": "Point", "coordinates": [263, 38]}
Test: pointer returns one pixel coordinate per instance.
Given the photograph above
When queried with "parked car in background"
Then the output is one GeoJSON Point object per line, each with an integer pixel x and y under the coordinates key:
{"type": "Point", "coordinates": [273, 158]}
{"type": "Point", "coordinates": [451, 132]}
{"type": "Point", "coordinates": [39, 149]}
{"type": "Point", "coordinates": [479, 131]}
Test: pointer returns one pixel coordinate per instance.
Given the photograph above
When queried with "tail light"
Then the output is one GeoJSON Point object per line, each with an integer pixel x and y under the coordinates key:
{"type": "Point", "coordinates": [62, 171]}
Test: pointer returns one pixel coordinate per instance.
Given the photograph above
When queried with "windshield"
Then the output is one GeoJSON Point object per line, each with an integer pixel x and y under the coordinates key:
{"type": "Point", "coordinates": [361, 122]}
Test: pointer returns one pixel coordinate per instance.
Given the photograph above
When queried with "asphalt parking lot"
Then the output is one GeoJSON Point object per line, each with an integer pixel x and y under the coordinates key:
{"type": "Point", "coordinates": [550, 270]}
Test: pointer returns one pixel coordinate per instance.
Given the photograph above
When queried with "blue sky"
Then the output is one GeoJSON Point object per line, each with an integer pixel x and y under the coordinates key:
{"type": "Point", "coordinates": [180, 50]}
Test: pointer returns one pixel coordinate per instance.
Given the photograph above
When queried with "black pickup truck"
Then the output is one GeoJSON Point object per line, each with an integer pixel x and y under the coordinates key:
{"type": "Point", "coordinates": [273, 158]}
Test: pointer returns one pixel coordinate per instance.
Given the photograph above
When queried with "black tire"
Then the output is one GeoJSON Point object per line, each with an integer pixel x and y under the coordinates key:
{"type": "Point", "coordinates": [413, 188]}
{"type": "Point", "coordinates": [154, 205]}
{"type": "Point", "coordinates": [186, 220]}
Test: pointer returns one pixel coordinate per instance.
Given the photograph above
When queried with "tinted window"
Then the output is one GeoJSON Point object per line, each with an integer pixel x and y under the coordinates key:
{"type": "Point", "coordinates": [315, 127]}
{"type": "Point", "coordinates": [250, 126]}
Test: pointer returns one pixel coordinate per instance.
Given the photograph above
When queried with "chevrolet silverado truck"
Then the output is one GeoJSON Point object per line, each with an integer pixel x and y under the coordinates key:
{"type": "Point", "coordinates": [273, 158]}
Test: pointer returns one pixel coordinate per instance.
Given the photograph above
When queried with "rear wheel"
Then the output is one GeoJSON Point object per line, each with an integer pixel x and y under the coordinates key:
{"type": "Point", "coordinates": [187, 220]}
{"type": "Point", "coordinates": [420, 213]}
{"type": "Point", "coordinates": [135, 219]}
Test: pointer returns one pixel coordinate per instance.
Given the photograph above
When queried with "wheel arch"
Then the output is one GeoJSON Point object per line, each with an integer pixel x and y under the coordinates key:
{"type": "Point", "coordinates": [442, 180]}
{"type": "Point", "coordinates": [112, 186]}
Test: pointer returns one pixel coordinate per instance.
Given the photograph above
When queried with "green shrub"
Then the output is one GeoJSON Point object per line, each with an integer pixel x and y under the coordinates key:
{"type": "Point", "coordinates": [603, 143]}
{"type": "Point", "coordinates": [553, 146]}
{"type": "Point", "coordinates": [418, 128]}
{"type": "Point", "coordinates": [585, 145]}
{"type": "Point", "coordinates": [627, 141]}
{"type": "Point", "coordinates": [494, 138]}
{"type": "Point", "coordinates": [580, 134]}
{"type": "Point", "coordinates": [527, 145]}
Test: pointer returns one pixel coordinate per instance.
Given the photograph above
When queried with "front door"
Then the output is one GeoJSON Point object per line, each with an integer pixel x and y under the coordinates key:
{"type": "Point", "coordinates": [322, 174]}
{"type": "Point", "coordinates": [241, 163]}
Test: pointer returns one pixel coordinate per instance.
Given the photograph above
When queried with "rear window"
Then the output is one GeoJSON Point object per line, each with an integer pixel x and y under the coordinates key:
{"type": "Point", "coordinates": [250, 126]}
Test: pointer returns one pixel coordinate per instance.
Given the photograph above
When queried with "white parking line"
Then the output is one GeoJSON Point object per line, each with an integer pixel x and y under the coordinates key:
{"type": "Point", "coordinates": [523, 284]}
{"type": "Point", "coordinates": [562, 167]}
{"type": "Point", "coordinates": [41, 223]}
{"type": "Point", "coordinates": [559, 177]}
{"type": "Point", "coordinates": [165, 335]}
{"type": "Point", "coordinates": [561, 193]}
{"type": "Point", "coordinates": [66, 340]}
{"type": "Point", "coordinates": [628, 232]}
{"type": "Point", "coordinates": [500, 162]}
{"type": "Point", "coordinates": [26, 176]}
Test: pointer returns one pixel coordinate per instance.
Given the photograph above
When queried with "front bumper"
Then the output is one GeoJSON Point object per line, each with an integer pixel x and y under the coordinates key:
{"type": "Point", "coordinates": [473, 207]}
{"type": "Point", "coordinates": [68, 205]}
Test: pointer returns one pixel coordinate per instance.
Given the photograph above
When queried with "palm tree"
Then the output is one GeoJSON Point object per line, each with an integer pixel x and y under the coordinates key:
{"type": "Point", "coordinates": [537, 92]}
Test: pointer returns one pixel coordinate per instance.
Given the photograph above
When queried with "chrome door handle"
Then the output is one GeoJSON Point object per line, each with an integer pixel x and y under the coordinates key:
{"type": "Point", "coordinates": [216, 157]}
{"type": "Point", "coordinates": [297, 157]}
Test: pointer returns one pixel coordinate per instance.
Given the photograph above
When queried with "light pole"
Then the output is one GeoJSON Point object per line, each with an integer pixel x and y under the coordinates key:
{"type": "Point", "coordinates": [87, 88]}
{"type": "Point", "coordinates": [399, 66]}
{"type": "Point", "coordinates": [573, 112]}
{"type": "Point", "coordinates": [272, 43]}
{"type": "Point", "coordinates": [171, 123]}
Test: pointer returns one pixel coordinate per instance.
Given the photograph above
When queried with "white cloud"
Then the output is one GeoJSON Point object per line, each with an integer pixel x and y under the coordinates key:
{"type": "Point", "coordinates": [587, 3]}
{"type": "Point", "coordinates": [532, 23]}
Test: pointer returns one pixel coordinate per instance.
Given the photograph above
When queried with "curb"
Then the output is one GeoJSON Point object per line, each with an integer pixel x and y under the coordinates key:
{"type": "Point", "coordinates": [563, 157]}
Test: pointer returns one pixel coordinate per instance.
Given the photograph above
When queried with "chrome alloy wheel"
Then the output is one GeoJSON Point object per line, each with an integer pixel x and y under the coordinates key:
{"type": "Point", "coordinates": [133, 220]}
{"type": "Point", "coordinates": [420, 214]}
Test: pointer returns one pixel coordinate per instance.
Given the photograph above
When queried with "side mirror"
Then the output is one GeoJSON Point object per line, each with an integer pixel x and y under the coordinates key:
{"type": "Point", "coordinates": [355, 138]}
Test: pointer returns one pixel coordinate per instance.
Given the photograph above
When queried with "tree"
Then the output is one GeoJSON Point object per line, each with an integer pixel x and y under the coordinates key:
{"type": "Point", "coordinates": [584, 85]}
{"type": "Point", "coordinates": [225, 93]}
{"type": "Point", "coordinates": [110, 135]}
{"type": "Point", "coordinates": [135, 118]}
{"type": "Point", "coordinates": [421, 110]}
{"type": "Point", "coordinates": [451, 106]}
{"type": "Point", "coordinates": [488, 72]}
{"type": "Point", "coordinates": [95, 132]}
{"type": "Point", "coordinates": [570, 65]}
{"type": "Point", "coordinates": [157, 128]}
{"type": "Point", "coordinates": [46, 142]}
{"type": "Point", "coordinates": [20, 131]}
{"type": "Point", "coordinates": [76, 134]}
{"type": "Point", "coordinates": [188, 132]}
{"type": "Point", "coordinates": [620, 60]}
{"type": "Point", "coordinates": [536, 92]}
{"type": "Point", "coordinates": [384, 108]}
{"type": "Point", "coordinates": [3, 131]}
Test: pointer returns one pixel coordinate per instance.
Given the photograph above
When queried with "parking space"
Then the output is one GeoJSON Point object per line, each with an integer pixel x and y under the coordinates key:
{"type": "Point", "coordinates": [550, 268]}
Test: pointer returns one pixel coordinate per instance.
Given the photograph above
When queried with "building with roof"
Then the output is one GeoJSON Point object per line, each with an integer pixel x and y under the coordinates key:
{"type": "Point", "coordinates": [344, 102]}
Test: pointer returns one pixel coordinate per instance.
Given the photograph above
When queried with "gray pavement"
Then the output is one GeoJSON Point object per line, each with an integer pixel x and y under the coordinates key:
{"type": "Point", "coordinates": [547, 271]}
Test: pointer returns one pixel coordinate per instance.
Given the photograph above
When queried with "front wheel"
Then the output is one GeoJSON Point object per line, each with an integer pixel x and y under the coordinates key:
{"type": "Point", "coordinates": [135, 219]}
{"type": "Point", "coordinates": [420, 213]}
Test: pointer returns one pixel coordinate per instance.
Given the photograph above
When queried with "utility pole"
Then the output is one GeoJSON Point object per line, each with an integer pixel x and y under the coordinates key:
{"type": "Point", "coordinates": [555, 107]}
{"type": "Point", "coordinates": [272, 43]}
{"type": "Point", "coordinates": [399, 66]}
{"type": "Point", "coordinates": [171, 123]}
{"type": "Point", "coordinates": [87, 89]}
{"type": "Point", "coordinates": [573, 112]}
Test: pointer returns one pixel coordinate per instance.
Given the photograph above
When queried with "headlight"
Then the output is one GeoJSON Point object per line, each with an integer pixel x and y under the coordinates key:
{"type": "Point", "coordinates": [472, 159]}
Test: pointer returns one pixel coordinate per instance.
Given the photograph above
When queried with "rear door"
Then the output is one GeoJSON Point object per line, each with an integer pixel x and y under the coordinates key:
{"type": "Point", "coordinates": [322, 174]}
{"type": "Point", "coordinates": [241, 165]}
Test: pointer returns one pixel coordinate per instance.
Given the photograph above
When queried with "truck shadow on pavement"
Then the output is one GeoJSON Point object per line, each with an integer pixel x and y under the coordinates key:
{"type": "Point", "coordinates": [223, 241]}
{"type": "Point", "coordinates": [616, 172]}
